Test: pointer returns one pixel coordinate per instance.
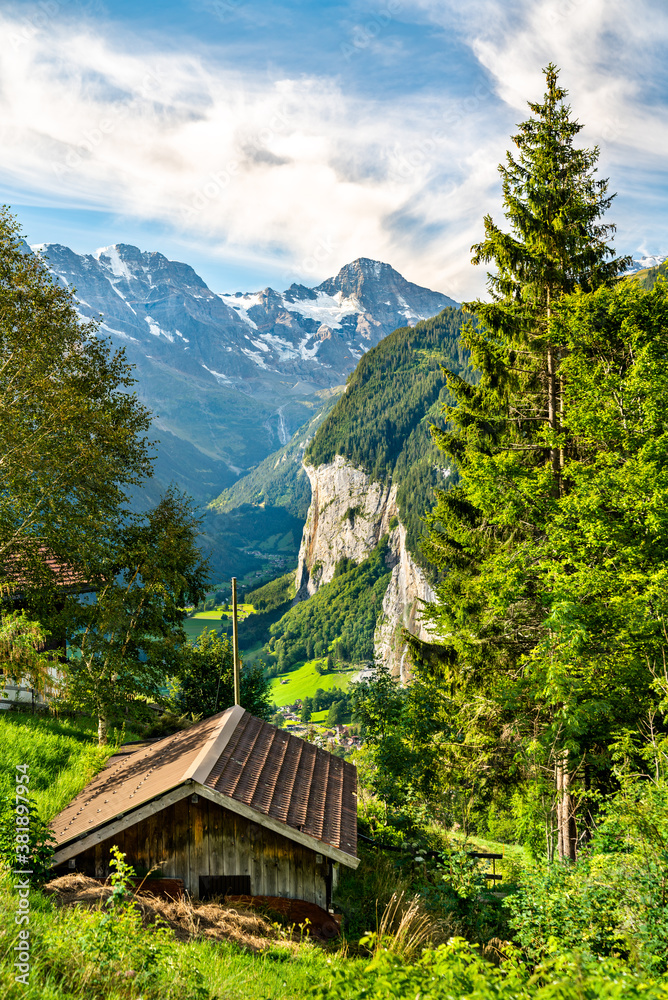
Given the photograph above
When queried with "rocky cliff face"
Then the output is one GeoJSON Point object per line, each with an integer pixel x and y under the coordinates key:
{"type": "Point", "coordinates": [402, 608]}
{"type": "Point", "coordinates": [348, 516]}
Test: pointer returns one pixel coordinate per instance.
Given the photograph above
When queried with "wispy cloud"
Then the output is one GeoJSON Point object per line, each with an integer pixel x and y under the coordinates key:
{"type": "Point", "coordinates": [299, 169]}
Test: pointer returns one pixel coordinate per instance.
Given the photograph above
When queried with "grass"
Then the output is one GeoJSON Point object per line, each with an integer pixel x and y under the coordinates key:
{"type": "Point", "coordinates": [193, 627]}
{"type": "Point", "coordinates": [62, 756]}
{"type": "Point", "coordinates": [515, 858]}
{"type": "Point", "coordinates": [80, 953]}
{"type": "Point", "coordinates": [305, 681]}
{"type": "Point", "coordinates": [212, 619]}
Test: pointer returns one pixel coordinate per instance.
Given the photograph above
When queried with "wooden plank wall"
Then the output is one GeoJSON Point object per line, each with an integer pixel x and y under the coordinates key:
{"type": "Point", "coordinates": [191, 839]}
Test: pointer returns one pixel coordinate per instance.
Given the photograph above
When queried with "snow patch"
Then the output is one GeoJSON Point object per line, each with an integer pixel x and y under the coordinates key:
{"type": "Point", "coordinates": [647, 260]}
{"type": "Point", "coordinates": [308, 353]}
{"type": "Point", "coordinates": [283, 348]}
{"type": "Point", "coordinates": [241, 304]}
{"type": "Point", "coordinates": [119, 333]}
{"type": "Point", "coordinates": [157, 330]}
{"type": "Point", "coordinates": [120, 293]}
{"type": "Point", "coordinates": [115, 264]}
{"type": "Point", "coordinates": [256, 357]}
{"type": "Point", "coordinates": [327, 309]}
{"type": "Point", "coordinates": [219, 376]}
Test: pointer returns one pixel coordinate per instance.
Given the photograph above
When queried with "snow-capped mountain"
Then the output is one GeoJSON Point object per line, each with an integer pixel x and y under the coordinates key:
{"type": "Point", "coordinates": [231, 376]}
{"type": "Point", "coordinates": [645, 261]}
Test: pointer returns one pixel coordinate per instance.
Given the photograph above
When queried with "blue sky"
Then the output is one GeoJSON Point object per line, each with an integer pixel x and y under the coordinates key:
{"type": "Point", "coordinates": [266, 143]}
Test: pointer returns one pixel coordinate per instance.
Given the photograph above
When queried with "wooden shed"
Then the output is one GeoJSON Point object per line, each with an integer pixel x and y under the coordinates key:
{"type": "Point", "coordinates": [231, 805]}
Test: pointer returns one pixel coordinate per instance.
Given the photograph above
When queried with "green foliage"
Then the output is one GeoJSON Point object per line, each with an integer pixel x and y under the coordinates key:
{"type": "Point", "coordinates": [206, 680]}
{"type": "Point", "coordinates": [121, 874]}
{"type": "Point", "coordinates": [273, 594]}
{"type": "Point", "coordinates": [71, 429]}
{"type": "Point", "coordinates": [88, 956]}
{"type": "Point", "coordinates": [543, 612]}
{"type": "Point", "coordinates": [131, 636]}
{"type": "Point", "coordinates": [22, 640]}
{"type": "Point", "coordinates": [456, 969]}
{"type": "Point", "coordinates": [381, 423]}
{"type": "Point", "coordinates": [337, 713]}
{"type": "Point", "coordinates": [347, 608]}
{"type": "Point", "coordinates": [34, 853]}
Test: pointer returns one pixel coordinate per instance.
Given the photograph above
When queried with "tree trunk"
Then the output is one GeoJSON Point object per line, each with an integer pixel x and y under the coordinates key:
{"type": "Point", "coordinates": [565, 819]}
{"type": "Point", "coordinates": [102, 730]}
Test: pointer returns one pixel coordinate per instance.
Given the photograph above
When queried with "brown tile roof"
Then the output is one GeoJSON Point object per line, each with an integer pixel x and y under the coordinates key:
{"type": "Point", "coordinates": [66, 577]}
{"type": "Point", "coordinates": [240, 759]}
{"type": "Point", "coordinates": [297, 783]}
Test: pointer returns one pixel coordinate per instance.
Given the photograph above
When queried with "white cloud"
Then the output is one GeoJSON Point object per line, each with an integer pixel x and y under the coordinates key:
{"type": "Point", "coordinates": [298, 169]}
{"type": "Point", "coordinates": [290, 168]}
{"type": "Point", "coordinates": [612, 57]}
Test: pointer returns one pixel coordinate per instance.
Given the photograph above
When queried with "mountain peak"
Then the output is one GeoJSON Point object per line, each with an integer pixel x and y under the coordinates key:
{"type": "Point", "coordinates": [365, 280]}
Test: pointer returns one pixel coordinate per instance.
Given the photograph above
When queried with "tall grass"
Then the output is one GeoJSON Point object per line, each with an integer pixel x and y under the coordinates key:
{"type": "Point", "coordinates": [62, 756]}
{"type": "Point", "coordinates": [405, 928]}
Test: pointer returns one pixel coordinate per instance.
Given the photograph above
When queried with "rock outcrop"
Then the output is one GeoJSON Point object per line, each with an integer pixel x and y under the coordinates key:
{"type": "Point", "coordinates": [402, 608]}
{"type": "Point", "coordinates": [348, 516]}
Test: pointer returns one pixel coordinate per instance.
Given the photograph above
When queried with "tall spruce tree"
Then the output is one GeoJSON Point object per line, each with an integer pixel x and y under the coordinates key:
{"type": "Point", "coordinates": [507, 431]}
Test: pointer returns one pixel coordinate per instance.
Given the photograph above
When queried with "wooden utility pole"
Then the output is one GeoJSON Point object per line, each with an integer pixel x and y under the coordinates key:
{"type": "Point", "coordinates": [235, 644]}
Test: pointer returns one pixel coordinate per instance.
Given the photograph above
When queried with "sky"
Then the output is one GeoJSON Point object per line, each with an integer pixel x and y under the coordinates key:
{"type": "Point", "coordinates": [271, 142]}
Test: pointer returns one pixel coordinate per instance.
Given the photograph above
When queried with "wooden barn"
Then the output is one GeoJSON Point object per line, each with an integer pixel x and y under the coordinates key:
{"type": "Point", "coordinates": [231, 805]}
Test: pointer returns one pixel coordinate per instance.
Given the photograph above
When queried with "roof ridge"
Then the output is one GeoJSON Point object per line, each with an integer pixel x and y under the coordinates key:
{"type": "Point", "coordinates": [214, 747]}
{"type": "Point", "coordinates": [227, 756]}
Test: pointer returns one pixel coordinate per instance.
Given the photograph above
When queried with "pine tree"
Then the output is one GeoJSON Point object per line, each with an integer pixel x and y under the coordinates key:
{"type": "Point", "coordinates": [507, 428]}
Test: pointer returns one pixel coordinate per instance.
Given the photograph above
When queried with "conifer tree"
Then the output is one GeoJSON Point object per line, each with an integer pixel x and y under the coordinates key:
{"type": "Point", "coordinates": [506, 431]}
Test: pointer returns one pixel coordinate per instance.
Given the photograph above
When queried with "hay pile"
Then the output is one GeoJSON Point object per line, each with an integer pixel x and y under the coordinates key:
{"type": "Point", "coordinates": [188, 919]}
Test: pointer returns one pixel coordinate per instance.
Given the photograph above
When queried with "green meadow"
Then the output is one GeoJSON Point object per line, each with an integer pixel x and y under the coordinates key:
{"type": "Point", "coordinates": [305, 681]}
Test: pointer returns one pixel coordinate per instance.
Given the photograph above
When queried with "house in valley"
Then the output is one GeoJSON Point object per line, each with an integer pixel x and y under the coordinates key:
{"type": "Point", "coordinates": [232, 804]}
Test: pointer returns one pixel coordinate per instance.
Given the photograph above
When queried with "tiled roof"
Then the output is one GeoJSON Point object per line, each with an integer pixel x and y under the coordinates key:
{"type": "Point", "coordinates": [294, 781]}
{"type": "Point", "coordinates": [248, 761]}
{"type": "Point", "coordinates": [65, 577]}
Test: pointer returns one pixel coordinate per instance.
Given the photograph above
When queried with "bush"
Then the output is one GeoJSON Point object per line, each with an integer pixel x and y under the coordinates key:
{"type": "Point", "coordinates": [36, 854]}
{"type": "Point", "coordinates": [456, 969]}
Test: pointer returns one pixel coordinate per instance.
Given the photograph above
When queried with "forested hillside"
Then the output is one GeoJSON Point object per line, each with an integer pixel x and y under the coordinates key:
{"type": "Point", "coordinates": [382, 422]}
{"type": "Point", "coordinates": [344, 611]}
{"type": "Point", "coordinates": [648, 278]}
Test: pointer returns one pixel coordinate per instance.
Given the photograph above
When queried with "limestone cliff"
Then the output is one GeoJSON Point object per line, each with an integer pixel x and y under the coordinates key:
{"type": "Point", "coordinates": [348, 516]}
